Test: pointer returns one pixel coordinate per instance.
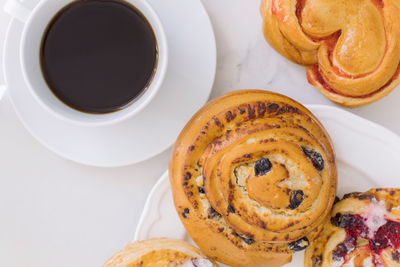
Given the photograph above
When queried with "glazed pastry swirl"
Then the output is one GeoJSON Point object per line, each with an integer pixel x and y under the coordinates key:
{"type": "Point", "coordinates": [159, 252]}
{"type": "Point", "coordinates": [256, 172]}
{"type": "Point", "coordinates": [351, 47]}
{"type": "Point", "coordinates": [364, 230]}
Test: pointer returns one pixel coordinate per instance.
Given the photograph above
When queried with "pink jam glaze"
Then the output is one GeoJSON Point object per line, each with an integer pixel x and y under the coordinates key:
{"type": "Point", "coordinates": [387, 236]}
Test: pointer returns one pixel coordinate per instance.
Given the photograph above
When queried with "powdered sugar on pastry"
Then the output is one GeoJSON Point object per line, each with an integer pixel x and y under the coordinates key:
{"type": "Point", "coordinates": [375, 217]}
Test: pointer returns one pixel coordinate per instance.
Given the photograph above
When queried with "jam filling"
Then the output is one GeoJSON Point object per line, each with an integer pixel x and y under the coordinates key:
{"type": "Point", "coordinates": [386, 236]}
{"type": "Point", "coordinates": [299, 9]}
{"type": "Point", "coordinates": [331, 41]}
{"type": "Point", "coordinates": [273, 8]}
{"type": "Point", "coordinates": [318, 76]}
{"type": "Point", "coordinates": [320, 79]}
{"type": "Point", "coordinates": [378, 3]}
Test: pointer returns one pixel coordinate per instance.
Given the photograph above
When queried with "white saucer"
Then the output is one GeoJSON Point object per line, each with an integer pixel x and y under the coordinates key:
{"type": "Point", "coordinates": [367, 156]}
{"type": "Point", "coordinates": [188, 83]}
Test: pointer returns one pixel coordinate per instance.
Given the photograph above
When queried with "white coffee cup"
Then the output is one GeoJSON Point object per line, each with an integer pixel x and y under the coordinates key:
{"type": "Point", "coordinates": [35, 24]}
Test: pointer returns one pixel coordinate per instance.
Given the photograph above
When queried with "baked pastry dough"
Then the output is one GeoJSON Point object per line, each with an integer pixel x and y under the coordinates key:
{"type": "Point", "coordinates": [364, 230]}
{"type": "Point", "coordinates": [253, 176]}
{"type": "Point", "coordinates": [160, 252]}
{"type": "Point", "coordinates": [351, 47]}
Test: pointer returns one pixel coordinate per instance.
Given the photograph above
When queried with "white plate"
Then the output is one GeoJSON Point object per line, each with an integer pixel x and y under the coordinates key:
{"type": "Point", "coordinates": [186, 88]}
{"type": "Point", "coordinates": [367, 156]}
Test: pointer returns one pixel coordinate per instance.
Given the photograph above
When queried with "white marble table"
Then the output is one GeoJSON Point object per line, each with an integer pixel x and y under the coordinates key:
{"type": "Point", "coordinates": [54, 212]}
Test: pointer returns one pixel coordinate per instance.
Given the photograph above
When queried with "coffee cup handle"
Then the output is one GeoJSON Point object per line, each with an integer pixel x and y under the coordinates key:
{"type": "Point", "coordinates": [17, 10]}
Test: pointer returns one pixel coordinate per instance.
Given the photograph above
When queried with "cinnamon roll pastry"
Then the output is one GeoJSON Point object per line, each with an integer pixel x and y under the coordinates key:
{"type": "Point", "coordinates": [364, 230]}
{"type": "Point", "coordinates": [253, 177]}
{"type": "Point", "coordinates": [351, 47]}
{"type": "Point", "coordinates": [160, 252]}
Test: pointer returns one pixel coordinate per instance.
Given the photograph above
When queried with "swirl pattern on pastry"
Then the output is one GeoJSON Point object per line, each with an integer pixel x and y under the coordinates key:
{"type": "Point", "coordinates": [254, 172]}
{"type": "Point", "coordinates": [159, 252]}
{"type": "Point", "coordinates": [364, 230]}
{"type": "Point", "coordinates": [351, 47]}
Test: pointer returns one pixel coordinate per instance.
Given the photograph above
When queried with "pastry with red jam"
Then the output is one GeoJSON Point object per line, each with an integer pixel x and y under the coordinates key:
{"type": "Point", "coordinates": [363, 231]}
{"type": "Point", "coordinates": [351, 48]}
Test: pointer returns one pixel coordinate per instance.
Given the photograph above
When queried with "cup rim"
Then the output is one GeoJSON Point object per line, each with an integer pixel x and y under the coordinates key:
{"type": "Point", "coordinates": [110, 118]}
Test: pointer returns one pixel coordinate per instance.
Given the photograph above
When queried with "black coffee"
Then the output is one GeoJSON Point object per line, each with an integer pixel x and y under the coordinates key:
{"type": "Point", "coordinates": [99, 56]}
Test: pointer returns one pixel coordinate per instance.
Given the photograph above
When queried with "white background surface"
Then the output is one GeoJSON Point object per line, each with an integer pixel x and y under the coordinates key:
{"type": "Point", "coordinates": [54, 212]}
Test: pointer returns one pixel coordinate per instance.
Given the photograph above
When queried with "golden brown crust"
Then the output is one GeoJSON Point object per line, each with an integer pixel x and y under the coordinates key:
{"type": "Point", "coordinates": [157, 252]}
{"type": "Point", "coordinates": [251, 173]}
{"type": "Point", "coordinates": [372, 210]}
{"type": "Point", "coordinates": [351, 48]}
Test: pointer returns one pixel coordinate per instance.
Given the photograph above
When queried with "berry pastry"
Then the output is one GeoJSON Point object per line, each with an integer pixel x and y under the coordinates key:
{"type": "Point", "coordinates": [253, 177]}
{"type": "Point", "coordinates": [160, 252]}
{"type": "Point", "coordinates": [351, 47]}
{"type": "Point", "coordinates": [364, 230]}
